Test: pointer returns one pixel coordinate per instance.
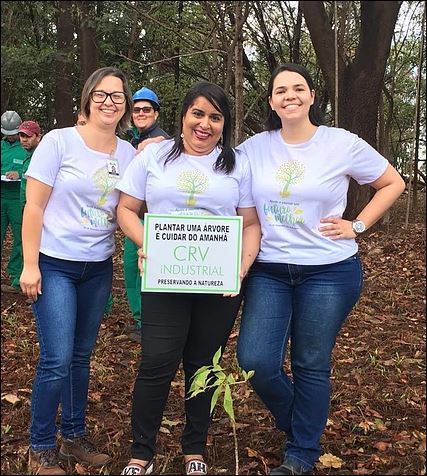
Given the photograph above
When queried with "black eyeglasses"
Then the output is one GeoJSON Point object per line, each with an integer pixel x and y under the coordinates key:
{"type": "Point", "coordinates": [100, 96]}
{"type": "Point", "coordinates": [145, 109]}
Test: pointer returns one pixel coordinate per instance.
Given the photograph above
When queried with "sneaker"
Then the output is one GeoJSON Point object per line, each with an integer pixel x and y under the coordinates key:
{"type": "Point", "coordinates": [136, 469]}
{"type": "Point", "coordinates": [287, 468]}
{"type": "Point", "coordinates": [81, 450]}
{"type": "Point", "coordinates": [196, 466]}
{"type": "Point", "coordinates": [44, 462]}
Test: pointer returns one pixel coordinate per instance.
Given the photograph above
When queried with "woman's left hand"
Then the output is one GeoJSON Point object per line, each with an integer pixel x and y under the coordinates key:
{"type": "Point", "coordinates": [243, 273]}
{"type": "Point", "coordinates": [337, 228]}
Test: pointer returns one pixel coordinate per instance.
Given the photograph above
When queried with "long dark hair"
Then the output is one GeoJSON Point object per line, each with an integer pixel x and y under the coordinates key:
{"type": "Point", "coordinates": [315, 116]}
{"type": "Point", "coordinates": [226, 160]}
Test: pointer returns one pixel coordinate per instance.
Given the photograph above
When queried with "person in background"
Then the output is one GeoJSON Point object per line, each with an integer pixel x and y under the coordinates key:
{"type": "Point", "coordinates": [185, 326]}
{"type": "Point", "coordinates": [30, 137]}
{"type": "Point", "coordinates": [12, 159]}
{"type": "Point", "coordinates": [308, 274]}
{"type": "Point", "coordinates": [145, 114]}
{"type": "Point", "coordinates": [68, 243]}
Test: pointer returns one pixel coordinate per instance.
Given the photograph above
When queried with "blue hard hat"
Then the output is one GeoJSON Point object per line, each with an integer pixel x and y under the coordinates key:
{"type": "Point", "coordinates": [145, 94]}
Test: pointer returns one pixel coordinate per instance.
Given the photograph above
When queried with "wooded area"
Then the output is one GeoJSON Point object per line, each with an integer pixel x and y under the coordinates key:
{"type": "Point", "coordinates": [377, 418]}
{"type": "Point", "coordinates": [366, 58]}
{"type": "Point", "coordinates": [368, 62]}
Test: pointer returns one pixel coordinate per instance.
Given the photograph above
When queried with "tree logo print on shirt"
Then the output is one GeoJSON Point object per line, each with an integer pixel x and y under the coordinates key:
{"type": "Point", "coordinates": [192, 182]}
{"type": "Point", "coordinates": [290, 173]}
{"type": "Point", "coordinates": [104, 183]}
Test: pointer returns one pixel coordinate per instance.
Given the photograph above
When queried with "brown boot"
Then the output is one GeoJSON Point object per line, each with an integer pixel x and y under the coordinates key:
{"type": "Point", "coordinates": [81, 450]}
{"type": "Point", "coordinates": [45, 462]}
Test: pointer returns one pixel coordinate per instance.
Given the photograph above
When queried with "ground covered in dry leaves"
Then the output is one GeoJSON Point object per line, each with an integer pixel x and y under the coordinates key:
{"type": "Point", "coordinates": [377, 418]}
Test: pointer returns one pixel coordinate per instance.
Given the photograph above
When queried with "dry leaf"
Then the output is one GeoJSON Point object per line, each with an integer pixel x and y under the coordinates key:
{"type": "Point", "coordinates": [11, 398]}
{"type": "Point", "coordinates": [366, 425]}
{"type": "Point", "coordinates": [381, 445]}
{"type": "Point", "coordinates": [165, 421]}
{"type": "Point", "coordinates": [81, 469]}
{"type": "Point", "coordinates": [330, 461]}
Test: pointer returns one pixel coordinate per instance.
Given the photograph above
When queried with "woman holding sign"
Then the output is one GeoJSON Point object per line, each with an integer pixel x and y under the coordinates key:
{"type": "Point", "coordinates": [308, 275]}
{"type": "Point", "coordinates": [197, 174]}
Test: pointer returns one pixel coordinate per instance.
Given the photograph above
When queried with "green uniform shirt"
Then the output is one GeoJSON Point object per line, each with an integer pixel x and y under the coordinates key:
{"type": "Point", "coordinates": [12, 159]}
{"type": "Point", "coordinates": [25, 165]}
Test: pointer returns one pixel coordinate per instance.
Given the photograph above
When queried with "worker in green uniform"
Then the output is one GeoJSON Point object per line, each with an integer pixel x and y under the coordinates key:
{"type": "Point", "coordinates": [12, 159]}
{"type": "Point", "coordinates": [146, 109]}
{"type": "Point", "coordinates": [30, 136]}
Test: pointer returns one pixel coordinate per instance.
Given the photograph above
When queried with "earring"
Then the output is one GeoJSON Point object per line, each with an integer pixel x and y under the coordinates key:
{"type": "Point", "coordinates": [182, 135]}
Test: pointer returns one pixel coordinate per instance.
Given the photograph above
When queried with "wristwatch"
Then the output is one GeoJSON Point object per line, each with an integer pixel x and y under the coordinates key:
{"type": "Point", "coordinates": [358, 226]}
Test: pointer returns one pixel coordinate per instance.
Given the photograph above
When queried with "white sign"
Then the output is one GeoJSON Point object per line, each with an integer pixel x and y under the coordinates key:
{"type": "Point", "coordinates": [192, 254]}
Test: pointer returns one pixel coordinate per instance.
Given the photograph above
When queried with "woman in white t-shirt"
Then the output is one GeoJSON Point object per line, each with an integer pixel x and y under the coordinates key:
{"type": "Point", "coordinates": [307, 276]}
{"type": "Point", "coordinates": [197, 173]}
{"type": "Point", "coordinates": [68, 242]}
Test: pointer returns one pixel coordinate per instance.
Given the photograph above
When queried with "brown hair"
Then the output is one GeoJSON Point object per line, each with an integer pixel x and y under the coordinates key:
{"type": "Point", "coordinates": [95, 78]}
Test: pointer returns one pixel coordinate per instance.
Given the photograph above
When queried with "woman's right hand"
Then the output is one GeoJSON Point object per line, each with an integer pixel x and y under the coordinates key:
{"type": "Point", "coordinates": [141, 257]}
{"type": "Point", "coordinates": [31, 282]}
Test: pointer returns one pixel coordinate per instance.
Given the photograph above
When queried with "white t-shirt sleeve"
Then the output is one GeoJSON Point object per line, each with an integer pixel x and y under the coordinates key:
{"type": "Point", "coordinates": [367, 164]}
{"type": "Point", "coordinates": [134, 179]}
{"type": "Point", "coordinates": [245, 187]}
{"type": "Point", "coordinates": [47, 158]}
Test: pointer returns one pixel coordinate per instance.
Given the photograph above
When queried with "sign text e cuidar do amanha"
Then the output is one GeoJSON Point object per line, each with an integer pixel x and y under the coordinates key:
{"type": "Point", "coordinates": [194, 254]}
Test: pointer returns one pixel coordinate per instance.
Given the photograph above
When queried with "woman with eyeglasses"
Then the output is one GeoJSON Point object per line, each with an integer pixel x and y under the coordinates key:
{"type": "Point", "coordinates": [145, 112]}
{"type": "Point", "coordinates": [68, 242]}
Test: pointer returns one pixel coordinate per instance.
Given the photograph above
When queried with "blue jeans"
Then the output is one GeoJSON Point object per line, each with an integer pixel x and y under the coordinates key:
{"type": "Point", "coordinates": [306, 305]}
{"type": "Point", "coordinates": [68, 315]}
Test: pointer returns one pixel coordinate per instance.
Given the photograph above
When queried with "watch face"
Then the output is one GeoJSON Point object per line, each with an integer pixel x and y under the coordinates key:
{"type": "Point", "coordinates": [358, 226]}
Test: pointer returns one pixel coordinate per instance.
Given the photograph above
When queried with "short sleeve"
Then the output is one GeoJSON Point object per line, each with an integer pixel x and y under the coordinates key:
{"type": "Point", "coordinates": [245, 186]}
{"type": "Point", "coordinates": [46, 159]}
{"type": "Point", "coordinates": [134, 179]}
{"type": "Point", "coordinates": [367, 164]}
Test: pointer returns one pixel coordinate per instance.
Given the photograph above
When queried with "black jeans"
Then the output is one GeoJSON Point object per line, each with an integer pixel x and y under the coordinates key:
{"type": "Point", "coordinates": [175, 327]}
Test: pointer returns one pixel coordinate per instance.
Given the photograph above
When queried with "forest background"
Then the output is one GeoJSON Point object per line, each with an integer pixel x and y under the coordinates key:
{"type": "Point", "coordinates": [368, 62]}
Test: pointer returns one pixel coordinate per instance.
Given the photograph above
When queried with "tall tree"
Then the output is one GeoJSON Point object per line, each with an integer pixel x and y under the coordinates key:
{"type": "Point", "coordinates": [361, 79]}
{"type": "Point", "coordinates": [89, 49]}
{"type": "Point", "coordinates": [64, 82]}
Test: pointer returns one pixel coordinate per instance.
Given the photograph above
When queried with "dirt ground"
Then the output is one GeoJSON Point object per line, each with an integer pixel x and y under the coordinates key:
{"type": "Point", "coordinates": [377, 417]}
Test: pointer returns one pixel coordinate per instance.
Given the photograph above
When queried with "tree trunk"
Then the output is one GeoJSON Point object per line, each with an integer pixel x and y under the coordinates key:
{"type": "Point", "coordinates": [64, 81]}
{"type": "Point", "coordinates": [89, 50]}
{"type": "Point", "coordinates": [417, 117]}
{"type": "Point", "coordinates": [238, 83]}
{"type": "Point", "coordinates": [360, 81]}
{"type": "Point", "coordinates": [177, 66]}
{"type": "Point", "coordinates": [297, 37]}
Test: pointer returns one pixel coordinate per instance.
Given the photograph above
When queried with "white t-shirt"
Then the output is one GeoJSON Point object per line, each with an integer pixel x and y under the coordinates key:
{"type": "Point", "coordinates": [188, 185]}
{"type": "Point", "coordinates": [295, 185]}
{"type": "Point", "coordinates": [80, 216]}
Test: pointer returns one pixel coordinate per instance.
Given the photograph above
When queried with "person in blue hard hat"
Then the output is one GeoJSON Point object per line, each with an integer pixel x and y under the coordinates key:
{"type": "Point", "coordinates": [146, 109]}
